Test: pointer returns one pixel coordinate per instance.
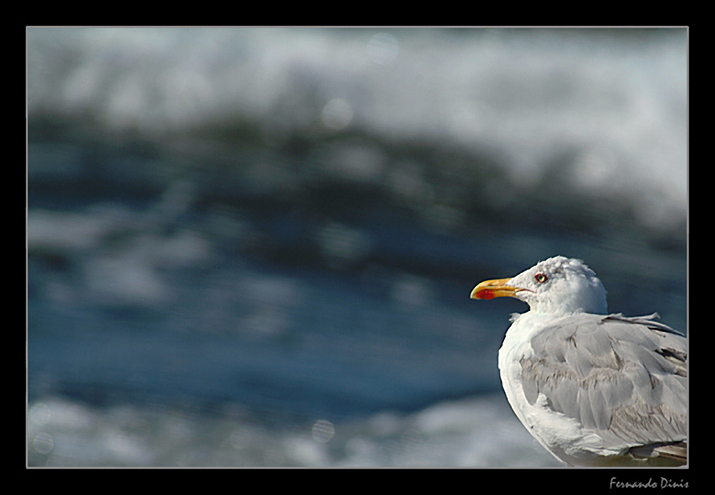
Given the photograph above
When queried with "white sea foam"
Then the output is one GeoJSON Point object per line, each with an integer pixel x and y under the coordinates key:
{"type": "Point", "coordinates": [479, 432]}
{"type": "Point", "coordinates": [611, 108]}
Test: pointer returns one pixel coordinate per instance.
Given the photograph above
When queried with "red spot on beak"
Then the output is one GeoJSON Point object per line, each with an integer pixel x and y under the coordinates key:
{"type": "Point", "coordinates": [484, 294]}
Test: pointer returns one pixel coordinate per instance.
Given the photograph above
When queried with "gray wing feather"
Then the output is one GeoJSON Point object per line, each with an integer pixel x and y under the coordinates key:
{"type": "Point", "coordinates": [624, 378]}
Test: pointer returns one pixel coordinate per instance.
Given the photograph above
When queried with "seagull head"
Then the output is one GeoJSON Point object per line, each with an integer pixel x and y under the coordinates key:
{"type": "Point", "coordinates": [557, 286]}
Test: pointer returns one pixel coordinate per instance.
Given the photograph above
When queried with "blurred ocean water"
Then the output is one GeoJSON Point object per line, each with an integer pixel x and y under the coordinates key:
{"type": "Point", "coordinates": [255, 246]}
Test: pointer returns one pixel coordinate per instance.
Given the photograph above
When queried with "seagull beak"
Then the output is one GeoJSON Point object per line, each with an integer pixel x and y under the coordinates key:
{"type": "Point", "coordinates": [490, 289]}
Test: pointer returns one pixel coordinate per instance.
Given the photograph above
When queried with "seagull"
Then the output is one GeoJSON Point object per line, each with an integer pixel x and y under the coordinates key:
{"type": "Point", "coordinates": [595, 389]}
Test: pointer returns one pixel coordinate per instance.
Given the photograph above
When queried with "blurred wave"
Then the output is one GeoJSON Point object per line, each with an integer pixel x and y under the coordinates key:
{"type": "Point", "coordinates": [466, 119]}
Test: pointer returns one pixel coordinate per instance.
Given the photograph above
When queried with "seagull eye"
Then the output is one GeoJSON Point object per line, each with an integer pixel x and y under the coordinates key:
{"type": "Point", "coordinates": [541, 277]}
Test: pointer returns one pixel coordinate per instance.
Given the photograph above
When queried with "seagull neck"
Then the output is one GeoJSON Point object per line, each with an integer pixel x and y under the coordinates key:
{"type": "Point", "coordinates": [530, 322]}
{"type": "Point", "coordinates": [568, 308]}
{"type": "Point", "coordinates": [533, 321]}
